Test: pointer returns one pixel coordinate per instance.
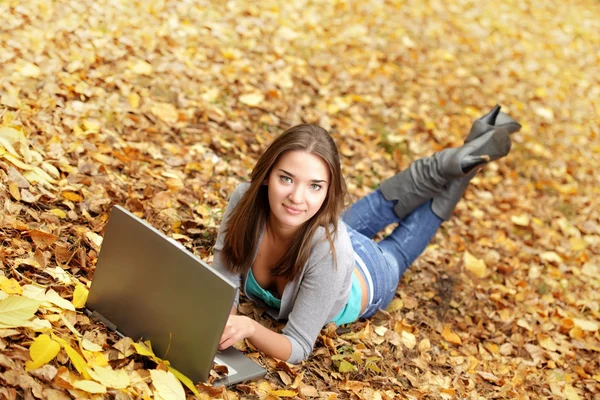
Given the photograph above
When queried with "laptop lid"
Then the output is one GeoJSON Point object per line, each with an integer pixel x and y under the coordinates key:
{"type": "Point", "coordinates": [147, 285]}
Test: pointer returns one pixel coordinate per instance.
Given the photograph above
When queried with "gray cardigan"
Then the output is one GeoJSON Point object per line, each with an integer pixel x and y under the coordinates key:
{"type": "Point", "coordinates": [315, 297]}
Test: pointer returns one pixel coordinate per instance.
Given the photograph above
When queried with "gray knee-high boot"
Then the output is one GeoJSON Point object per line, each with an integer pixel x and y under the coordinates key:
{"type": "Point", "coordinates": [427, 177]}
{"type": "Point", "coordinates": [444, 203]}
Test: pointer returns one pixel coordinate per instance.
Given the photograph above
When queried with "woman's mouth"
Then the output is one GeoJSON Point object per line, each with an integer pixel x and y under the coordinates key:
{"type": "Point", "coordinates": [292, 210]}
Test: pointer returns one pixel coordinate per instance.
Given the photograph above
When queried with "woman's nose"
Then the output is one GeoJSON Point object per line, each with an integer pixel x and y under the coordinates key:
{"type": "Point", "coordinates": [296, 195]}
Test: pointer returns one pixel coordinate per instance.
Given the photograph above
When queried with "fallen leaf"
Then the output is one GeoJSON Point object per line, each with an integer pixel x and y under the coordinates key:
{"type": "Point", "coordinates": [474, 265]}
{"type": "Point", "coordinates": [585, 325]}
{"type": "Point", "coordinates": [110, 378]}
{"type": "Point", "coordinates": [408, 339]}
{"type": "Point", "coordinates": [252, 99]}
{"type": "Point", "coordinates": [520, 220]}
{"type": "Point", "coordinates": [166, 112]}
{"type": "Point", "coordinates": [283, 393]}
{"type": "Point", "coordinates": [10, 286]}
{"type": "Point", "coordinates": [77, 360]}
{"type": "Point", "coordinates": [42, 351]}
{"type": "Point", "coordinates": [345, 366]}
{"type": "Point", "coordinates": [42, 239]}
{"type": "Point", "coordinates": [90, 387]}
{"type": "Point", "coordinates": [80, 295]}
{"type": "Point", "coordinates": [17, 311]}
{"type": "Point", "coordinates": [168, 387]}
{"type": "Point", "coordinates": [450, 336]}
{"type": "Point", "coordinates": [57, 300]}
{"type": "Point", "coordinates": [185, 380]}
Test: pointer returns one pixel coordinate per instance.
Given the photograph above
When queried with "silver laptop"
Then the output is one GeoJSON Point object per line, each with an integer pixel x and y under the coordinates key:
{"type": "Point", "coordinates": [147, 285]}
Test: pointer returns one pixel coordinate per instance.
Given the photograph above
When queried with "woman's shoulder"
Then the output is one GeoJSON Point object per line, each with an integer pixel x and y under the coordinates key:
{"type": "Point", "coordinates": [237, 194]}
{"type": "Point", "coordinates": [341, 243]}
{"type": "Point", "coordinates": [239, 191]}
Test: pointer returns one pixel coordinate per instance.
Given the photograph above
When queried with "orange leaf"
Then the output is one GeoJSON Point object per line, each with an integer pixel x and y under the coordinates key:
{"type": "Point", "coordinates": [450, 336]}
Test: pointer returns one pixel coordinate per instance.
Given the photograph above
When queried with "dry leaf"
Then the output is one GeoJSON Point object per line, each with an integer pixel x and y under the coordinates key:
{"type": "Point", "coordinates": [474, 265]}
{"type": "Point", "coordinates": [451, 336]}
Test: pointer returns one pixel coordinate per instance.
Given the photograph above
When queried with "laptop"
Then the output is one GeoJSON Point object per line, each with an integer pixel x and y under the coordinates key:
{"type": "Point", "coordinates": [148, 286]}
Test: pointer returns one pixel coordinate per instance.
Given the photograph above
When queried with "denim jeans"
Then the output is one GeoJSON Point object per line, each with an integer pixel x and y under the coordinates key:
{"type": "Point", "coordinates": [383, 263]}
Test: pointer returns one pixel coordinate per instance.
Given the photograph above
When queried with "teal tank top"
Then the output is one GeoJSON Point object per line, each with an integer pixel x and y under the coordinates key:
{"type": "Point", "coordinates": [349, 313]}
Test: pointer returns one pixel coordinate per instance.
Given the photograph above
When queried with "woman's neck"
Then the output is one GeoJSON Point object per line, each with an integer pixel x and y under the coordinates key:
{"type": "Point", "coordinates": [280, 233]}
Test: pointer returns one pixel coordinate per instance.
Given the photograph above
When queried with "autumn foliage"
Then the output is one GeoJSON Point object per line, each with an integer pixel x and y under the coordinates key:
{"type": "Point", "coordinates": [164, 106]}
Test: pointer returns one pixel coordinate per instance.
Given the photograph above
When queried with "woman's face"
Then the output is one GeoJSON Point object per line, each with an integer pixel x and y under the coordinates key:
{"type": "Point", "coordinates": [297, 187]}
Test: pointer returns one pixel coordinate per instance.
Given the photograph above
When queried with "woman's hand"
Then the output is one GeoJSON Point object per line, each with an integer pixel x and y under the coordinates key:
{"type": "Point", "coordinates": [238, 327]}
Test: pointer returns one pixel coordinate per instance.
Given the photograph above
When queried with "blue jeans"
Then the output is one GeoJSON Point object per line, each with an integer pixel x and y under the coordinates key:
{"type": "Point", "coordinates": [383, 263]}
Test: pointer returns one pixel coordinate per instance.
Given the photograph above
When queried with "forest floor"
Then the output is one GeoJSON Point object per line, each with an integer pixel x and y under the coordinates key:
{"type": "Point", "coordinates": [164, 107]}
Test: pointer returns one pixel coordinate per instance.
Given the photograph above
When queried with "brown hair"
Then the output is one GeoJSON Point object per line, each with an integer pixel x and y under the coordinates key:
{"type": "Point", "coordinates": [251, 213]}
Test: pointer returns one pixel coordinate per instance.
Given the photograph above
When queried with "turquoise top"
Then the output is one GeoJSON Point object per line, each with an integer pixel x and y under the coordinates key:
{"type": "Point", "coordinates": [254, 288]}
{"type": "Point", "coordinates": [349, 313]}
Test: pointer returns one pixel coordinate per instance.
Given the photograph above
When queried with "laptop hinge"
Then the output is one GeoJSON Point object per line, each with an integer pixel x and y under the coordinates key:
{"type": "Point", "coordinates": [99, 317]}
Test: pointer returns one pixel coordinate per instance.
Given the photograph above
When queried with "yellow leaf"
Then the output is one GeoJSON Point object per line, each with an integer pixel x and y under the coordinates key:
{"type": "Point", "coordinates": [90, 387]}
{"type": "Point", "coordinates": [11, 135]}
{"type": "Point", "coordinates": [345, 366]}
{"type": "Point", "coordinates": [474, 265]}
{"type": "Point", "coordinates": [142, 67]}
{"type": "Point", "coordinates": [17, 163]}
{"type": "Point", "coordinates": [185, 380]}
{"type": "Point", "coordinates": [95, 239]}
{"type": "Point", "coordinates": [450, 336]}
{"type": "Point", "coordinates": [167, 385]}
{"type": "Point", "coordinates": [408, 339]}
{"type": "Point", "coordinates": [134, 100]}
{"type": "Point", "coordinates": [59, 213]}
{"type": "Point", "coordinates": [77, 360]}
{"type": "Point", "coordinates": [584, 325]}
{"type": "Point", "coordinates": [30, 70]}
{"type": "Point", "coordinates": [59, 340]}
{"type": "Point", "coordinates": [521, 220]}
{"type": "Point", "coordinates": [42, 351]}
{"type": "Point", "coordinates": [17, 311]}
{"type": "Point", "coordinates": [110, 378]}
{"type": "Point", "coordinates": [72, 196]}
{"type": "Point", "coordinates": [570, 392]}
{"type": "Point", "coordinates": [424, 345]}
{"type": "Point", "coordinates": [55, 299]}
{"type": "Point", "coordinates": [577, 244]}
{"type": "Point", "coordinates": [10, 286]}
{"type": "Point", "coordinates": [90, 346]}
{"type": "Point", "coordinates": [395, 305]}
{"type": "Point", "coordinates": [143, 350]}
{"type": "Point", "coordinates": [8, 147]}
{"type": "Point", "coordinates": [34, 292]}
{"type": "Point", "coordinates": [99, 360]}
{"type": "Point", "coordinates": [547, 343]}
{"type": "Point", "coordinates": [283, 393]}
{"type": "Point", "coordinates": [551, 256]}
{"type": "Point", "coordinates": [166, 112]}
{"type": "Point", "coordinates": [80, 296]}
{"type": "Point", "coordinates": [252, 99]}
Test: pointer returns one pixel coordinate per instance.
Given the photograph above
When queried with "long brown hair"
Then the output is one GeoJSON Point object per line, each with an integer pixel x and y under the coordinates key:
{"type": "Point", "coordinates": [251, 213]}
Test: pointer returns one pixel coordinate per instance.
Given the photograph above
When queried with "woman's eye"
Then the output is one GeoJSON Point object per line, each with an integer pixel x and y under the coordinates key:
{"type": "Point", "coordinates": [285, 179]}
{"type": "Point", "coordinates": [315, 186]}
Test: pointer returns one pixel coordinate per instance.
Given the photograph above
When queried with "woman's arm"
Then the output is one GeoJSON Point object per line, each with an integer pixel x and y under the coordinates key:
{"type": "Point", "coordinates": [271, 343]}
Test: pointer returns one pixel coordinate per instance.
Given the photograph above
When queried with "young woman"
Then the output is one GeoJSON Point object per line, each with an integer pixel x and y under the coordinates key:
{"type": "Point", "coordinates": [282, 239]}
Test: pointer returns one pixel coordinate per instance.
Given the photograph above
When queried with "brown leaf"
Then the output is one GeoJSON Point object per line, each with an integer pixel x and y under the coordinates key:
{"type": "Point", "coordinates": [42, 239]}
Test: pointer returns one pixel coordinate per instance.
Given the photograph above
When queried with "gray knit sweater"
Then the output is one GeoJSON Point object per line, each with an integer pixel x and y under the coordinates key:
{"type": "Point", "coordinates": [315, 297]}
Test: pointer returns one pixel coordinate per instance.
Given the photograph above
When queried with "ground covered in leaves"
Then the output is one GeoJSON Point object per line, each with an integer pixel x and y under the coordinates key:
{"type": "Point", "coordinates": [164, 106]}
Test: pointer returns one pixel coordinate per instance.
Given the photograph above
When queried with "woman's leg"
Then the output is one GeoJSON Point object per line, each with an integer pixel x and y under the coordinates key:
{"type": "Point", "coordinates": [371, 214]}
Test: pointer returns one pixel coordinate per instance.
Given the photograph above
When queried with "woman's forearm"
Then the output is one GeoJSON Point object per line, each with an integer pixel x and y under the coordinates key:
{"type": "Point", "coordinates": [271, 343]}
